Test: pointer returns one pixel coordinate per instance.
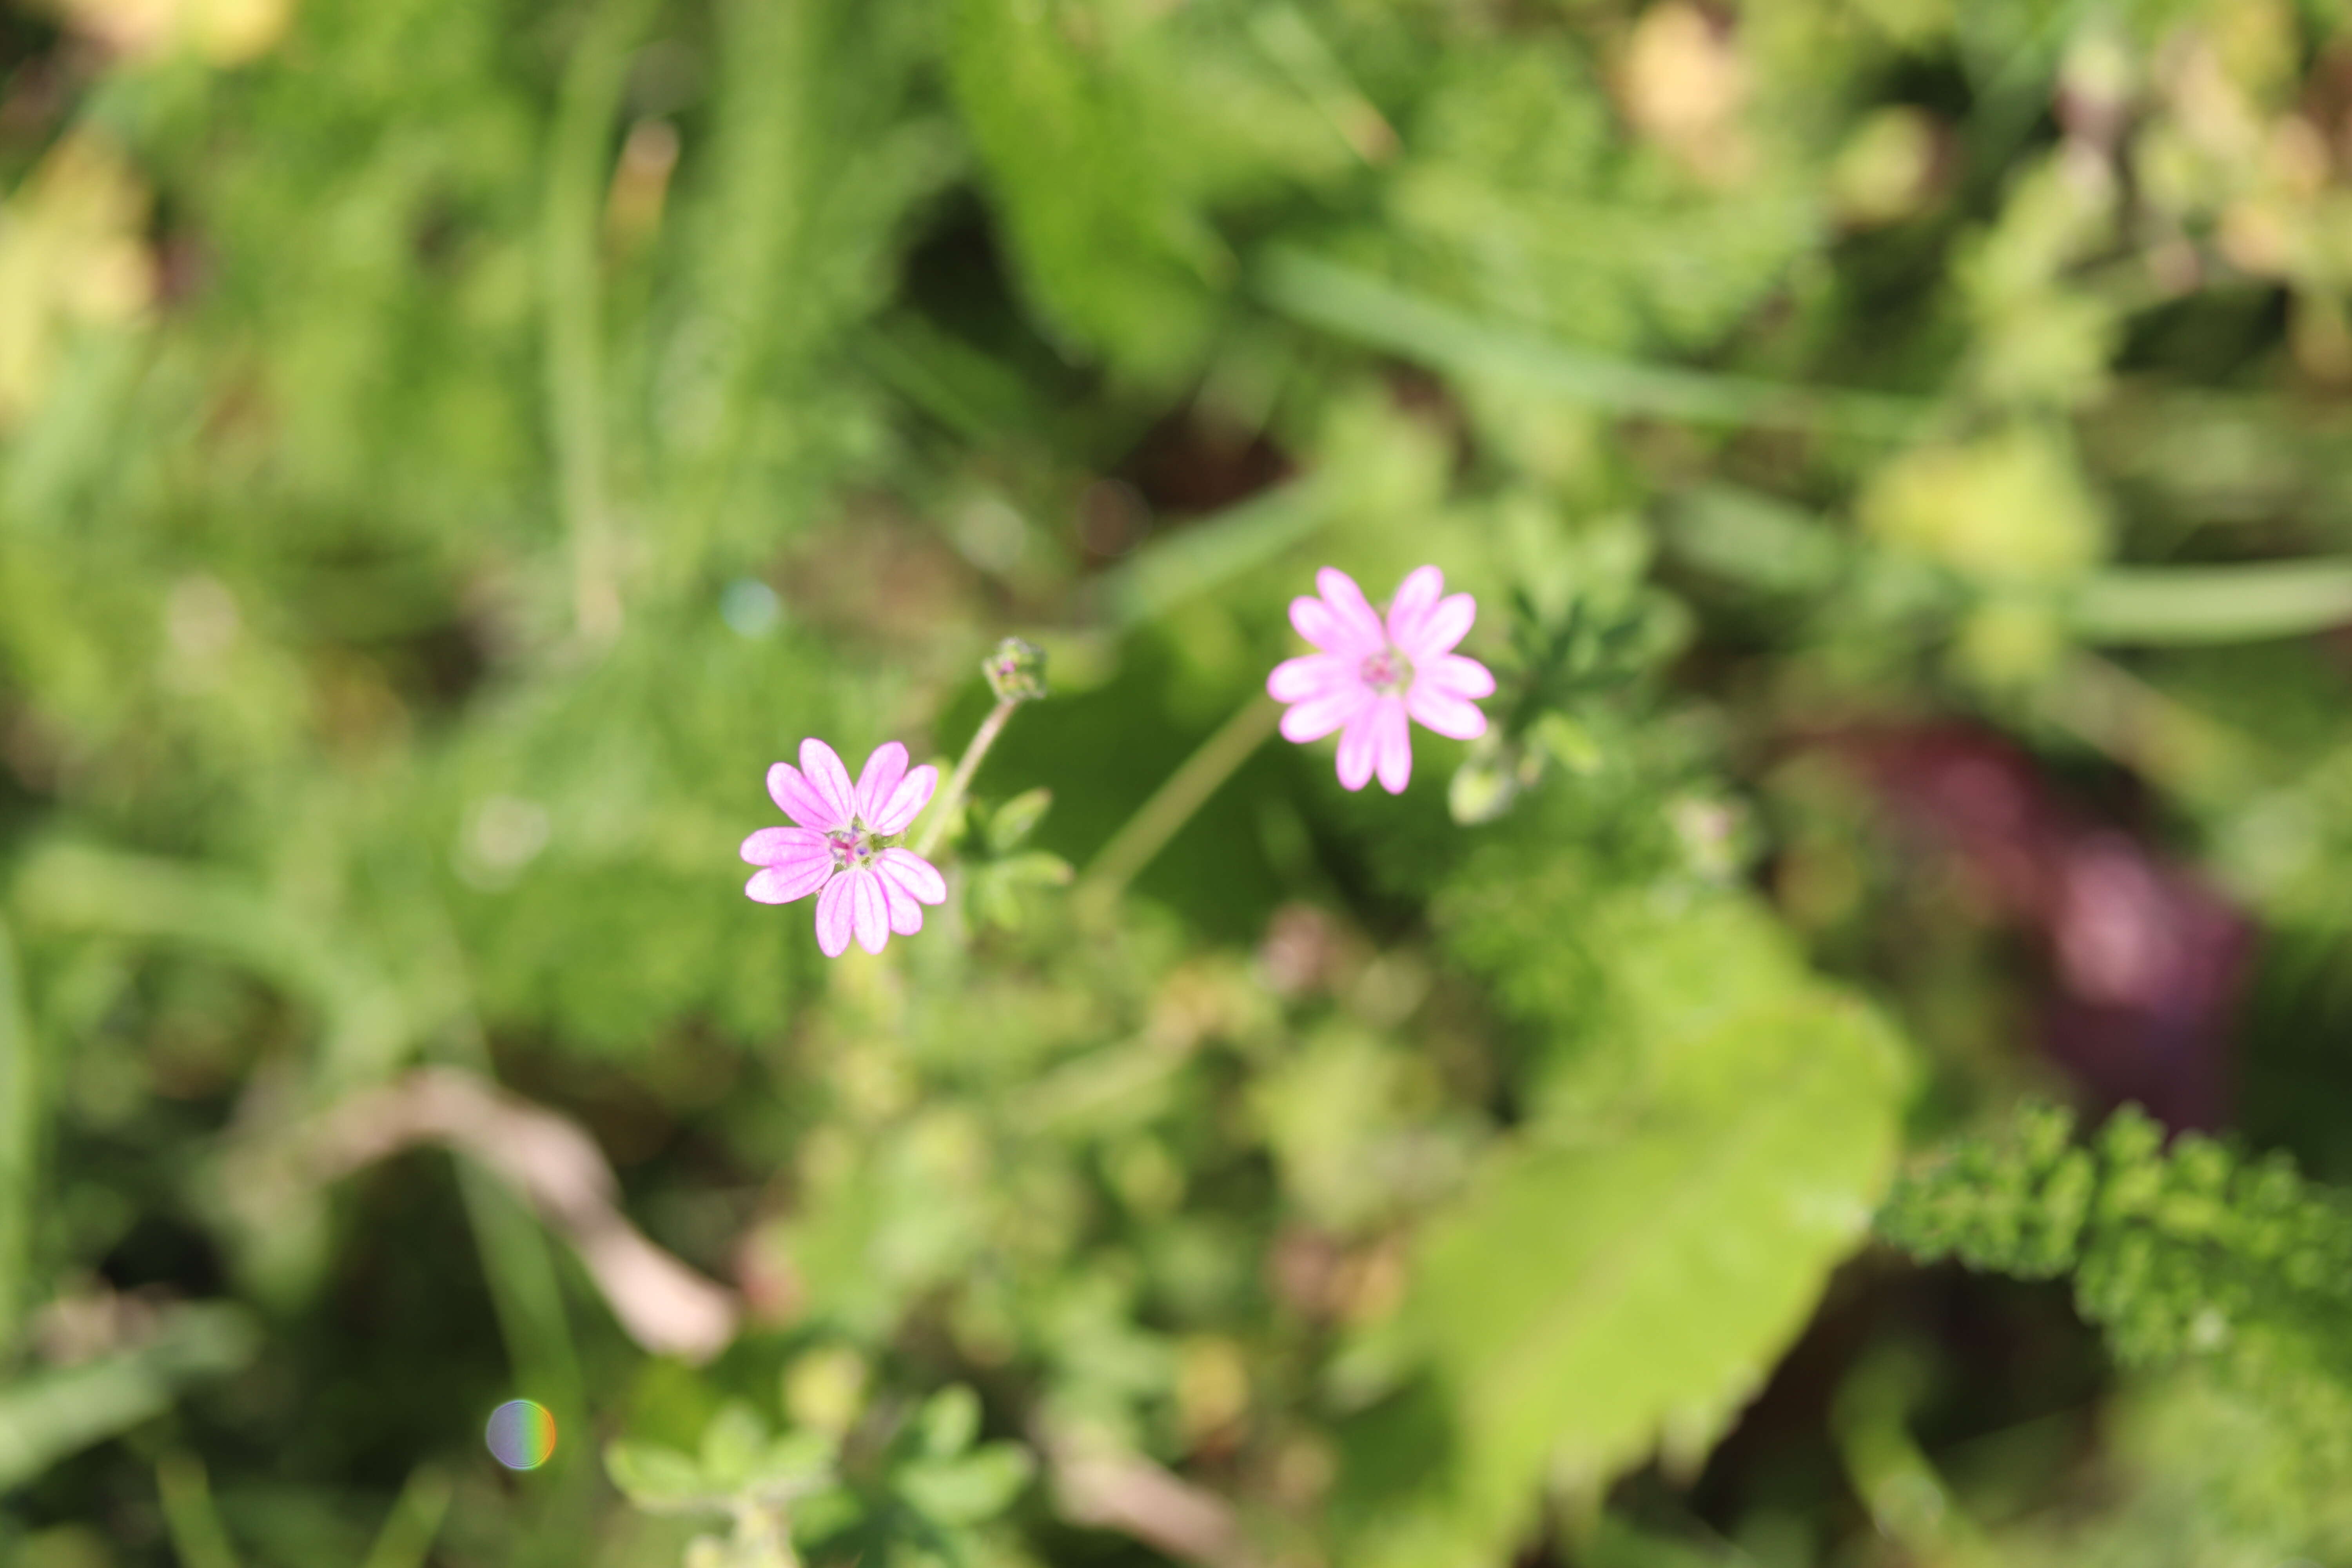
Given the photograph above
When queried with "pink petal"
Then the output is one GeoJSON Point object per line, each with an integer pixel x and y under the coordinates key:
{"type": "Point", "coordinates": [906, 914]}
{"type": "Point", "coordinates": [1416, 596]}
{"type": "Point", "coordinates": [1358, 750]}
{"type": "Point", "coordinates": [918, 876]}
{"type": "Point", "coordinates": [1454, 676]}
{"type": "Point", "coordinates": [1354, 611]}
{"type": "Point", "coordinates": [1319, 624]}
{"type": "Point", "coordinates": [1312, 675]}
{"type": "Point", "coordinates": [802, 800]}
{"type": "Point", "coordinates": [833, 917]}
{"type": "Point", "coordinates": [1318, 716]}
{"type": "Point", "coordinates": [1447, 714]}
{"type": "Point", "coordinates": [788, 884]}
{"type": "Point", "coordinates": [869, 909]}
{"type": "Point", "coordinates": [906, 802]}
{"type": "Point", "coordinates": [1446, 624]}
{"type": "Point", "coordinates": [881, 774]}
{"type": "Point", "coordinates": [775, 846]}
{"type": "Point", "coordinates": [821, 765]}
{"type": "Point", "coordinates": [1391, 744]}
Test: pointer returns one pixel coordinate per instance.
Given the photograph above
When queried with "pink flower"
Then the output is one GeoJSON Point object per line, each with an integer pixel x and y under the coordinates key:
{"type": "Point", "coordinates": [1372, 674]}
{"type": "Point", "coordinates": [868, 891]}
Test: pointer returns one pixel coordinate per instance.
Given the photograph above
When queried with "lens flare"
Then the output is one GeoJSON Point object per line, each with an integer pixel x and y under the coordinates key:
{"type": "Point", "coordinates": [522, 1435]}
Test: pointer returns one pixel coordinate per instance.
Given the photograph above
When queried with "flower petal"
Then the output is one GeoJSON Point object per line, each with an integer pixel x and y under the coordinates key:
{"type": "Point", "coordinates": [1415, 597]}
{"type": "Point", "coordinates": [911, 871]}
{"type": "Point", "coordinates": [1354, 611]}
{"type": "Point", "coordinates": [883, 770]}
{"type": "Point", "coordinates": [821, 765]}
{"type": "Point", "coordinates": [906, 802]}
{"type": "Point", "coordinates": [787, 884]}
{"type": "Point", "coordinates": [869, 909]}
{"type": "Point", "coordinates": [1456, 676]}
{"type": "Point", "coordinates": [1358, 747]}
{"type": "Point", "coordinates": [1391, 744]}
{"type": "Point", "coordinates": [1313, 675]}
{"type": "Point", "coordinates": [1434, 708]}
{"type": "Point", "coordinates": [801, 800]}
{"type": "Point", "coordinates": [1318, 716]}
{"type": "Point", "coordinates": [774, 845]}
{"type": "Point", "coordinates": [906, 914]}
{"type": "Point", "coordinates": [1447, 622]}
{"type": "Point", "coordinates": [833, 917]}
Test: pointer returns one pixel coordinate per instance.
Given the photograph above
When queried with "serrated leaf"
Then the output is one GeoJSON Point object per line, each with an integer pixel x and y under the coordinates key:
{"type": "Point", "coordinates": [1594, 1297]}
{"type": "Point", "coordinates": [1012, 821]}
{"type": "Point", "coordinates": [977, 1487]}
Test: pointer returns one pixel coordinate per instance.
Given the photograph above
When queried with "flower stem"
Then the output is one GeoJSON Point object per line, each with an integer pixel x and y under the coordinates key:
{"type": "Point", "coordinates": [943, 809]}
{"type": "Point", "coordinates": [1172, 805]}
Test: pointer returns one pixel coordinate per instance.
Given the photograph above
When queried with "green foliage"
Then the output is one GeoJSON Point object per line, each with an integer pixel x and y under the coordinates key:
{"type": "Point", "coordinates": [2196, 1254]}
{"type": "Point", "coordinates": [2174, 1252]}
{"type": "Point", "coordinates": [449, 450]}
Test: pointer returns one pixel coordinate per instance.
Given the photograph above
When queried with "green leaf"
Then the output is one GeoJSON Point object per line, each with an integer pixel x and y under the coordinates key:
{"type": "Point", "coordinates": [1114, 259]}
{"type": "Point", "coordinates": [977, 1487]}
{"type": "Point", "coordinates": [733, 1445]}
{"type": "Point", "coordinates": [1593, 1298]}
{"type": "Point", "coordinates": [1014, 820]}
{"type": "Point", "coordinates": [659, 1480]}
{"type": "Point", "coordinates": [950, 1420]}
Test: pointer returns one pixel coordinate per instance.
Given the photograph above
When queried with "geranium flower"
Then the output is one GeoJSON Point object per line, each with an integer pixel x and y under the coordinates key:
{"type": "Point", "coordinates": [1371, 673]}
{"type": "Point", "coordinates": [870, 888]}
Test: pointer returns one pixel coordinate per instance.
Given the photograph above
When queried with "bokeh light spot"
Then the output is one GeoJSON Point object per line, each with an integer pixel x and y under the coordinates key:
{"type": "Point", "coordinates": [522, 1435]}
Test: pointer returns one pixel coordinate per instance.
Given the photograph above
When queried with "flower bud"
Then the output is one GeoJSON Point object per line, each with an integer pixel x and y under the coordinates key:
{"type": "Point", "coordinates": [1015, 671]}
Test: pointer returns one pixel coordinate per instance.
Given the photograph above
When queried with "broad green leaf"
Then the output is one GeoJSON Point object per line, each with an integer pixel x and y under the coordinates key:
{"type": "Point", "coordinates": [1594, 1297]}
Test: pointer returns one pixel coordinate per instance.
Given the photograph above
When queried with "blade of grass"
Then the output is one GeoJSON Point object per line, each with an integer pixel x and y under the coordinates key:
{"type": "Point", "coordinates": [189, 1516]}
{"type": "Point", "coordinates": [415, 1518]}
{"type": "Point", "coordinates": [578, 167]}
{"type": "Point", "coordinates": [1210, 554]}
{"type": "Point", "coordinates": [51, 1414]}
{"type": "Point", "coordinates": [81, 888]}
{"type": "Point", "coordinates": [1380, 315]}
{"type": "Point", "coordinates": [2179, 604]}
{"type": "Point", "coordinates": [21, 1102]}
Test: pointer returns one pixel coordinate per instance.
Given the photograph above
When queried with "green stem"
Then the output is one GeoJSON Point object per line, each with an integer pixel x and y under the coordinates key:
{"type": "Point", "coordinates": [1158, 820]}
{"type": "Point", "coordinates": [590, 99]}
{"type": "Point", "coordinates": [943, 809]}
{"type": "Point", "coordinates": [21, 1101]}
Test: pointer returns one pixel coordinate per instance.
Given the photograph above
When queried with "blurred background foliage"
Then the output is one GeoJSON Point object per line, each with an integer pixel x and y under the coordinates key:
{"type": "Point", "coordinates": [449, 447]}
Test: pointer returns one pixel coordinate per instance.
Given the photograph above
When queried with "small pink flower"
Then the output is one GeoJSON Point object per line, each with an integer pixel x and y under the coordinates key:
{"type": "Point", "coordinates": [1371, 675]}
{"type": "Point", "coordinates": [869, 891]}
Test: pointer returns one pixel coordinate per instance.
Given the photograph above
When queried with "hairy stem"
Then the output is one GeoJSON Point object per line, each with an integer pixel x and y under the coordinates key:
{"type": "Point", "coordinates": [1172, 805]}
{"type": "Point", "coordinates": [943, 809]}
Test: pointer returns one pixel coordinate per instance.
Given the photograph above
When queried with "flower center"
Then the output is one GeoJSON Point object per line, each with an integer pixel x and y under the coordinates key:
{"type": "Point", "coordinates": [1387, 672]}
{"type": "Point", "coordinates": [852, 846]}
